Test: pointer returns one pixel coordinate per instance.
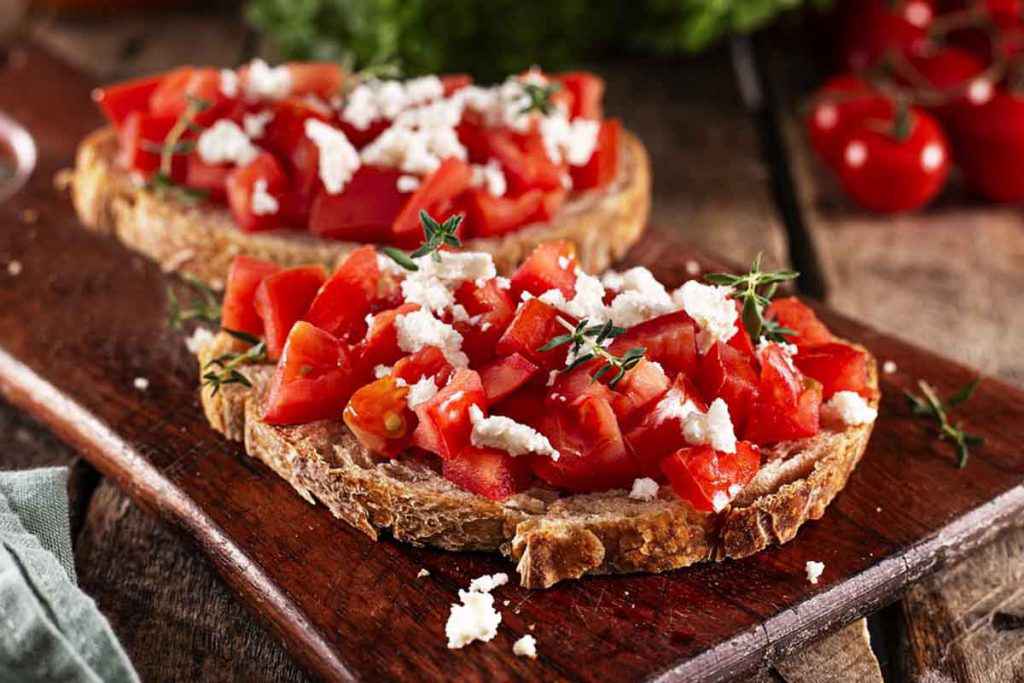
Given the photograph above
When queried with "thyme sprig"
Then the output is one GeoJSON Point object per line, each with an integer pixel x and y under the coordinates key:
{"type": "Point", "coordinates": [539, 97]}
{"type": "Point", "coordinates": [755, 291]}
{"type": "Point", "coordinates": [928, 404]}
{"type": "Point", "coordinates": [223, 369]}
{"type": "Point", "coordinates": [436, 235]}
{"type": "Point", "coordinates": [172, 146]}
{"type": "Point", "coordinates": [204, 306]}
{"type": "Point", "coordinates": [588, 342]}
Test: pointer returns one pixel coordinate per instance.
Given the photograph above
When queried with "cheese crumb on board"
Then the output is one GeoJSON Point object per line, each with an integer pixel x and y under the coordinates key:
{"type": "Point", "coordinates": [507, 435]}
{"type": "Point", "coordinates": [644, 489]}
{"type": "Point", "coordinates": [814, 570]}
{"type": "Point", "coordinates": [850, 408]}
{"type": "Point", "coordinates": [423, 573]}
{"type": "Point", "coordinates": [474, 619]}
{"type": "Point", "coordinates": [889, 367]}
{"type": "Point", "coordinates": [14, 268]}
{"type": "Point", "coordinates": [141, 383]}
{"type": "Point", "coordinates": [525, 647]}
{"type": "Point", "coordinates": [488, 582]}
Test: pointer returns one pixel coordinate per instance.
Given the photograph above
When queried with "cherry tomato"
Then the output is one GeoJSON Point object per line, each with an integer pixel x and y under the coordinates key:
{"type": "Point", "coordinates": [990, 147]}
{"type": "Point", "coordinates": [842, 103]}
{"type": "Point", "coordinates": [872, 28]}
{"type": "Point", "coordinates": [378, 415]}
{"type": "Point", "coordinates": [956, 75]}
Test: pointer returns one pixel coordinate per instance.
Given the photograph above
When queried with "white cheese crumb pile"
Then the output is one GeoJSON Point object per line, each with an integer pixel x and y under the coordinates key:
{"type": "Point", "coordinates": [263, 82]}
{"type": "Point", "coordinates": [421, 392]}
{"type": "Point", "coordinates": [488, 582]}
{"type": "Point", "coordinates": [491, 177]}
{"type": "Point", "coordinates": [713, 428]}
{"type": "Point", "coordinates": [141, 383]}
{"type": "Point", "coordinates": [850, 408]}
{"type": "Point", "coordinates": [420, 329]}
{"type": "Point", "coordinates": [507, 435]}
{"type": "Point", "coordinates": [475, 618]}
{"type": "Point", "coordinates": [525, 647]}
{"type": "Point", "coordinates": [814, 570]}
{"type": "Point", "coordinates": [423, 573]}
{"type": "Point", "coordinates": [225, 143]}
{"type": "Point", "coordinates": [712, 310]}
{"type": "Point", "coordinates": [338, 159]}
{"type": "Point", "coordinates": [644, 489]}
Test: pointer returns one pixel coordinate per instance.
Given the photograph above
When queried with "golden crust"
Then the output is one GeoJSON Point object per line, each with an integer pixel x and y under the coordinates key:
{"type": "Point", "coordinates": [202, 240]}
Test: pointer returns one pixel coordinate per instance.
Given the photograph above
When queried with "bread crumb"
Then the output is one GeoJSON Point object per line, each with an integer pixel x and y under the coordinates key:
{"type": "Point", "coordinates": [814, 570]}
{"type": "Point", "coordinates": [692, 268]}
{"type": "Point", "coordinates": [423, 573]}
{"type": "Point", "coordinates": [889, 367]}
{"type": "Point", "coordinates": [525, 647]}
{"type": "Point", "coordinates": [141, 383]}
{"type": "Point", "coordinates": [14, 268]}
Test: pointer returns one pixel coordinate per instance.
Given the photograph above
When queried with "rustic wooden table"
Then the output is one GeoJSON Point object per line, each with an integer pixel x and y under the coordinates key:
{"type": "Point", "coordinates": [944, 278]}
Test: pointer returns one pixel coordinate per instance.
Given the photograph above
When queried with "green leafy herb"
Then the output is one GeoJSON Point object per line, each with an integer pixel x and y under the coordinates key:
{"type": "Point", "coordinates": [400, 257]}
{"type": "Point", "coordinates": [755, 291]}
{"type": "Point", "coordinates": [204, 306]}
{"type": "Point", "coordinates": [928, 404]}
{"type": "Point", "coordinates": [540, 98]}
{"type": "Point", "coordinates": [224, 368]}
{"type": "Point", "coordinates": [588, 342]}
{"type": "Point", "coordinates": [172, 146]}
{"type": "Point", "coordinates": [437, 235]}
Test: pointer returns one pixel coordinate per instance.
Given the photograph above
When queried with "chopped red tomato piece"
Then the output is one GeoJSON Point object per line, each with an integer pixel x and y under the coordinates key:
{"type": "Point", "coordinates": [121, 99]}
{"type": "Point", "coordinates": [489, 215]}
{"type": "Point", "coordinates": [787, 402]}
{"type": "Point", "coordinates": [487, 472]}
{"type": "Point", "coordinates": [550, 202]}
{"type": "Point", "coordinates": [381, 344]}
{"type": "Point", "coordinates": [660, 432]}
{"type": "Point", "coordinates": [378, 415]}
{"type": "Point", "coordinates": [587, 92]}
{"type": "Point", "coordinates": [323, 79]}
{"type": "Point", "coordinates": [522, 158]}
{"type": "Point", "coordinates": [551, 265]}
{"type": "Point", "coordinates": [313, 380]}
{"type": "Point", "coordinates": [183, 86]}
{"type": "Point", "coordinates": [730, 375]}
{"type": "Point", "coordinates": [708, 479]}
{"type": "Point", "coordinates": [341, 305]}
{"type": "Point", "coordinates": [445, 424]}
{"type": "Point", "coordinates": [288, 126]}
{"type": "Point", "coordinates": [570, 388]}
{"type": "Point", "coordinates": [534, 325]}
{"type": "Point", "coordinates": [491, 308]}
{"type": "Point", "coordinates": [241, 188]}
{"type": "Point", "coordinates": [793, 314]}
{"type": "Point", "coordinates": [434, 196]}
{"type": "Point", "coordinates": [637, 391]}
{"type": "Point", "coordinates": [427, 362]}
{"type": "Point", "coordinates": [603, 167]}
{"type": "Point", "coordinates": [212, 178]}
{"type": "Point", "coordinates": [454, 82]}
{"type": "Point", "coordinates": [139, 141]}
{"type": "Point", "coordinates": [838, 366]}
{"type": "Point", "coordinates": [363, 211]}
{"type": "Point", "coordinates": [282, 299]}
{"type": "Point", "coordinates": [503, 376]}
{"type": "Point", "coordinates": [669, 339]}
{"type": "Point", "coordinates": [238, 312]}
{"type": "Point", "coordinates": [741, 340]}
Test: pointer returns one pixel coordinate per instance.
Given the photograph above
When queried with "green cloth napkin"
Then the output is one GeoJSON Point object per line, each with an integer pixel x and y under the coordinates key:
{"type": "Point", "coordinates": [49, 630]}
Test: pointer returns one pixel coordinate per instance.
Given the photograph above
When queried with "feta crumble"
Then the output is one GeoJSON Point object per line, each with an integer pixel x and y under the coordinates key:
{"type": "Point", "coordinates": [228, 83]}
{"type": "Point", "coordinates": [263, 203]}
{"type": "Point", "coordinates": [850, 408]}
{"type": "Point", "coordinates": [673, 407]}
{"type": "Point", "coordinates": [224, 142]}
{"type": "Point", "coordinates": [255, 125]}
{"type": "Point", "coordinates": [504, 433]}
{"type": "Point", "coordinates": [14, 268]}
{"type": "Point", "coordinates": [421, 392]}
{"type": "Point", "coordinates": [432, 285]}
{"type": "Point", "coordinates": [141, 383]}
{"type": "Point", "coordinates": [491, 177]}
{"type": "Point", "coordinates": [525, 647]}
{"type": "Point", "coordinates": [381, 371]}
{"type": "Point", "coordinates": [199, 338]}
{"type": "Point", "coordinates": [488, 582]}
{"type": "Point", "coordinates": [474, 619]}
{"type": "Point", "coordinates": [587, 302]}
{"type": "Point", "coordinates": [264, 82]}
{"type": "Point", "coordinates": [814, 570]}
{"type": "Point", "coordinates": [713, 428]}
{"type": "Point", "coordinates": [889, 367]}
{"type": "Point", "coordinates": [711, 308]}
{"type": "Point", "coordinates": [339, 160]}
{"type": "Point", "coordinates": [407, 183]}
{"type": "Point", "coordinates": [420, 329]}
{"type": "Point", "coordinates": [644, 489]}
{"type": "Point", "coordinates": [423, 573]}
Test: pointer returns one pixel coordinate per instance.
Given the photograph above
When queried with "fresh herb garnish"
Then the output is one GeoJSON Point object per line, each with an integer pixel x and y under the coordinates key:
{"type": "Point", "coordinates": [748, 290]}
{"type": "Point", "coordinates": [204, 306]}
{"type": "Point", "coordinates": [173, 146]}
{"type": "Point", "coordinates": [224, 368]}
{"type": "Point", "coordinates": [165, 185]}
{"type": "Point", "coordinates": [930, 405]}
{"type": "Point", "coordinates": [437, 235]}
{"type": "Point", "coordinates": [400, 257]}
{"type": "Point", "coordinates": [590, 340]}
{"type": "Point", "coordinates": [540, 97]}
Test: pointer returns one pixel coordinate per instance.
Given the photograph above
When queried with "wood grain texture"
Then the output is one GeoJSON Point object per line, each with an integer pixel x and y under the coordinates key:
{"type": "Point", "coordinates": [844, 656]}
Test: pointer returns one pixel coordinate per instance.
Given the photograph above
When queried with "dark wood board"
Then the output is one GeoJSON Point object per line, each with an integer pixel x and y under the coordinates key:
{"type": "Point", "coordinates": [85, 317]}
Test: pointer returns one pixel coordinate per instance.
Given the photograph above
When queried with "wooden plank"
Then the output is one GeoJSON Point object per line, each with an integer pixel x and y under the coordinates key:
{"type": "Point", "coordinates": [844, 656]}
{"type": "Point", "coordinates": [346, 605]}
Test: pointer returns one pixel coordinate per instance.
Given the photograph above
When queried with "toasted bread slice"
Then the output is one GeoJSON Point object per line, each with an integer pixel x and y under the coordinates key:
{"type": "Point", "coordinates": [551, 537]}
{"type": "Point", "coordinates": [202, 240]}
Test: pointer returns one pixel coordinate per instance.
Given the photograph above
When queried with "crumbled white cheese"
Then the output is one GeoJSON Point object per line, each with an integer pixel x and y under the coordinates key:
{"type": "Point", "coordinates": [850, 408]}
{"type": "Point", "coordinates": [255, 125]}
{"type": "Point", "coordinates": [587, 302]}
{"type": "Point", "coordinates": [421, 392]}
{"type": "Point", "coordinates": [339, 160]}
{"type": "Point", "coordinates": [673, 407]}
{"type": "Point", "coordinates": [407, 183]}
{"type": "Point", "coordinates": [432, 285]}
{"type": "Point", "coordinates": [572, 141]}
{"type": "Point", "coordinates": [641, 297]}
{"type": "Point", "coordinates": [711, 308]}
{"type": "Point", "coordinates": [889, 367]}
{"type": "Point", "coordinates": [423, 573]}
{"type": "Point", "coordinates": [789, 350]}
{"type": "Point", "coordinates": [264, 82]}
{"type": "Point", "coordinates": [389, 266]}
{"type": "Point", "coordinates": [488, 582]}
{"type": "Point", "coordinates": [420, 329]}
{"type": "Point", "coordinates": [263, 203]}
{"type": "Point", "coordinates": [525, 647]}
{"type": "Point", "coordinates": [199, 338]}
{"type": "Point", "coordinates": [644, 489]}
{"type": "Point", "coordinates": [224, 142]}
{"type": "Point", "coordinates": [228, 83]}
{"type": "Point", "coordinates": [14, 268]}
{"type": "Point", "coordinates": [814, 570]}
{"type": "Point", "coordinates": [503, 282]}
{"type": "Point", "coordinates": [141, 383]}
{"type": "Point", "coordinates": [381, 371]}
{"type": "Point", "coordinates": [418, 151]}
{"type": "Point", "coordinates": [713, 428]}
{"type": "Point", "coordinates": [427, 291]}
{"type": "Point", "coordinates": [474, 619]}
{"type": "Point", "coordinates": [491, 177]}
{"type": "Point", "coordinates": [507, 435]}
{"type": "Point", "coordinates": [376, 99]}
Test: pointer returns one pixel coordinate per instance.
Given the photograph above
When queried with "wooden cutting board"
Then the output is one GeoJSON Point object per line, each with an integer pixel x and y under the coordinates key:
{"type": "Point", "coordinates": [84, 317]}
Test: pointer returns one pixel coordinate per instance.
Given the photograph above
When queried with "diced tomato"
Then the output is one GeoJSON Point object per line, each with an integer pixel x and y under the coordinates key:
{"type": "Point", "coordinates": [793, 314]}
{"type": "Point", "coordinates": [381, 344]}
{"type": "Point", "coordinates": [494, 309]}
{"type": "Point", "coordinates": [489, 215]}
{"type": "Point", "coordinates": [341, 305]}
{"type": "Point", "coordinates": [503, 376]}
{"type": "Point", "coordinates": [571, 388]}
{"type": "Point", "coordinates": [378, 415]}
{"type": "Point", "coordinates": [454, 82]}
{"type": "Point", "coordinates": [140, 138]}
{"type": "Point", "coordinates": [187, 84]}
{"type": "Point", "coordinates": [709, 479]}
{"type": "Point", "coordinates": [445, 424]}
{"type": "Point", "coordinates": [551, 201]}
{"type": "Point", "coordinates": [487, 472]}
{"type": "Point", "coordinates": [282, 299]}
{"type": "Point", "coordinates": [313, 380]}
{"type": "Point", "coordinates": [669, 339]}
{"type": "Point", "coordinates": [838, 366]}
{"type": "Point", "coordinates": [434, 194]}
{"type": "Point", "coordinates": [534, 325]}
{"type": "Point", "coordinates": [787, 402]}
{"type": "Point", "coordinates": [360, 137]}
{"type": "Point", "coordinates": [288, 126]}
{"type": "Point", "coordinates": [524, 160]}
{"type": "Point", "coordinates": [119, 100]}
{"type": "Point", "coordinates": [427, 362]}
{"type": "Point", "coordinates": [592, 453]}
{"type": "Point", "coordinates": [661, 433]}
{"type": "Point", "coordinates": [238, 312]}
{"type": "Point", "coordinates": [323, 79]}
{"type": "Point", "coordinates": [603, 166]}
{"type": "Point", "coordinates": [587, 92]}
{"type": "Point", "coordinates": [168, 97]}
{"type": "Point", "coordinates": [212, 178]}
{"type": "Point", "coordinates": [241, 185]}
{"type": "Point", "coordinates": [741, 340]}
{"type": "Point", "coordinates": [551, 265]}
{"type": "Point", "coordinates": [726, 373]}
{"type": "Point", "coordinates": [363, 211]}
{"type": "Point", "coordinates": [637, 391]}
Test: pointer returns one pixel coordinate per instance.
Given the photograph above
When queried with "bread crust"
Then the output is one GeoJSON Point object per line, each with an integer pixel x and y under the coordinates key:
{"type": "Point", "coordinates": [201, 240]}
{"type": "Point", "coordinates": [550, 537]}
